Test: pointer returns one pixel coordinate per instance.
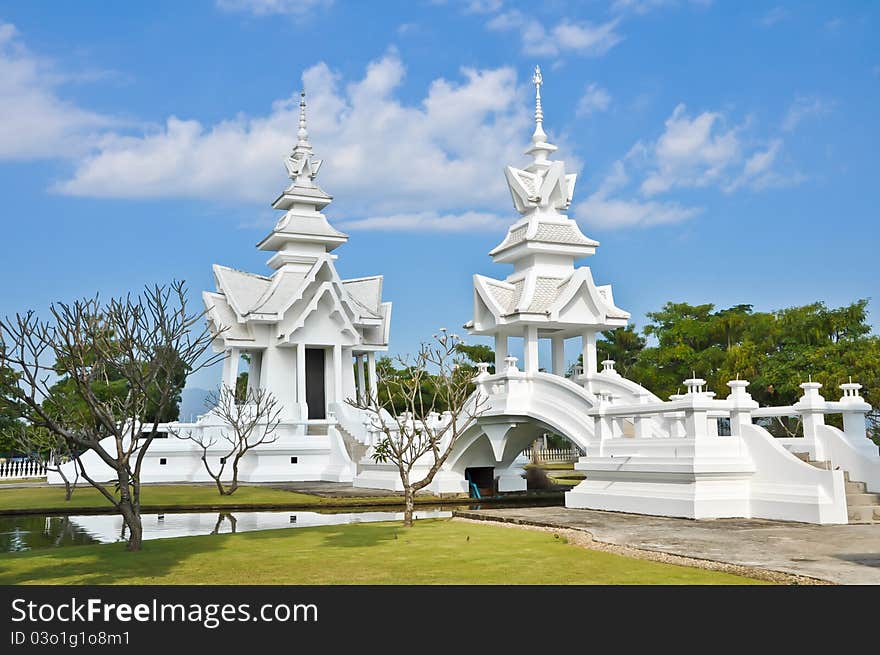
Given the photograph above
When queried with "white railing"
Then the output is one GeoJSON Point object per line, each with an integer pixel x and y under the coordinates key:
{"type": "Point", "coordinates": [696, 414]}
{"type": "Point", "coordinates": [20, 470]}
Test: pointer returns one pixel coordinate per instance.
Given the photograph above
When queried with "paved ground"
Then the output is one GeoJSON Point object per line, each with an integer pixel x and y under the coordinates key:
{"type": "Point", "coordinates": [846, 554]}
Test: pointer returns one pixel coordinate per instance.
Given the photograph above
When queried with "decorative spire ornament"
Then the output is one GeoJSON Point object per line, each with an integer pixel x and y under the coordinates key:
{"type": "Point", "coordinates": [539, 136]}
{"type": "Point", "coordinates": [303, 133]}
{"type": "Point", "coordinates": [301, 168]}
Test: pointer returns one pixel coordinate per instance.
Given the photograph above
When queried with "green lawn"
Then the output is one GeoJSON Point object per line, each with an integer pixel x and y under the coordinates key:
{"type": "Point", "coordinates": [433, 552]}
{"type": "Point", "coordinates": [37, 499]}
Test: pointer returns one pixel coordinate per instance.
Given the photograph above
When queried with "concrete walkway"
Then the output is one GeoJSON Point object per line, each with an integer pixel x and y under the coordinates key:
{"type": "Point", "coordinates": [846, 554]}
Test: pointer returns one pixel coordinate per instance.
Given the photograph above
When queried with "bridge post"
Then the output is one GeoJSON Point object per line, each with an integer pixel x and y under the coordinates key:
{"type": "Point", "coordinates": [603, 426]}
{"type": "Point", "coordinates": [741, 406]}
{"type": "Point", "coordinates": [811, 407]}
{"type": "Point", "coordinates": [854, 426]}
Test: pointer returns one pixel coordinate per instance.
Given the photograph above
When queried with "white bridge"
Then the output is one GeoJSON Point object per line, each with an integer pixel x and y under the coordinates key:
{"type": "Point", "coordinates": [693, 456]}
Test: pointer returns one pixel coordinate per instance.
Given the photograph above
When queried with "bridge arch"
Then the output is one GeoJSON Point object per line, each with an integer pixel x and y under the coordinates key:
{"type": "Point", "coordinates": [520, 407]}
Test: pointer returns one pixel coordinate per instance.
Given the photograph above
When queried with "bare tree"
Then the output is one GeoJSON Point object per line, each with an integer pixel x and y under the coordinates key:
{"type": "Point", "coordinates": [54, 449]}
{"type": "Point", "coordinates": [144, 344]}
{"type": "Point", "coordinates": [404, 408]}
{"type": "Point", "coordinates": [250, 424]}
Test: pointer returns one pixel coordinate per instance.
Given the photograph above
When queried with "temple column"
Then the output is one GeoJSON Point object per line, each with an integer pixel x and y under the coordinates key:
{"type": "Point", "coordinates": [301, 380]}
{"type": "Point", "coordinates": [500, 352]}
{"type": "Point", "coordinates": [371, 373]}
{"type": "Point", "coordinates": [255, 370]}
{"type": "Point", "coordinates": [230, 367]}
{"type": "Point", "coordinates": [337, 374]}
{"type": "Point", "coordinates": [530, 348]}
{"type": "Point", "coordinates": [557, 350]}
{"type": "Point", "coordinates": [361, 384]}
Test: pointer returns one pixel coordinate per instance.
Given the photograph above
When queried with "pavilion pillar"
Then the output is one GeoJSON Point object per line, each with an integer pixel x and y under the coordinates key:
{"type": "Point", "coordinates": [557, 350]}
{"type": "Point", "coordinates": [590, 358]}
{"type": "Point", "coordinates": [301, 380]}
{"type": "Point", "coordinates": [371, 373]}
{"type": "Point", "coordinates": [530, 348]}
{"type": "Point", "coordinates": [500, 352]}
{"type": "Point", "coordinates": [337, 373]}
{"type": "Point", "coordinates": [361, 386]}
{"type": "Point", "coordinates": [230, 368]}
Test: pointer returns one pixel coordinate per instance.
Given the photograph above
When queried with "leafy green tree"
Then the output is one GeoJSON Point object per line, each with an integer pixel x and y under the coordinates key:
{"type": "Point", "coordinates": [477, 354]}
{"type": "Point", "coordinates": [623, 345]}
{"type": "Point", "coordinates": [776, 351]}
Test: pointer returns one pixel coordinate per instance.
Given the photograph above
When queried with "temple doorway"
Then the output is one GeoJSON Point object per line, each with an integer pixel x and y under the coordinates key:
{"type": "Point", "coordinates": [315, 383]}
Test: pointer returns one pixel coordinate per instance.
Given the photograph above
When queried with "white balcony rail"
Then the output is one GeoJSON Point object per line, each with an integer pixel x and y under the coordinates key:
{"type": "Point", "coordinates": [22, 469]}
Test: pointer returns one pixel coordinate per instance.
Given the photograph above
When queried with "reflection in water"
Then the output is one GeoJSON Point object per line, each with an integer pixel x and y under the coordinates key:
{"type": "Point", "coordinates": [18, 533]}
{"type": "Point", "coordinates": [32, 532]}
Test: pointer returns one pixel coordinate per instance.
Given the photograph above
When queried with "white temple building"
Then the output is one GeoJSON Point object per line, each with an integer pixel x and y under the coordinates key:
{"type": "Point", "coordinates": [311, 340]}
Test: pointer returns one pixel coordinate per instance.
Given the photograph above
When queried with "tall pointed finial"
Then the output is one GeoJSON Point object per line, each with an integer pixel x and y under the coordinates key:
{"type": "Point", "coordinates": [539, 136]}
{"type": "Point", "coordinates": [303, 133]}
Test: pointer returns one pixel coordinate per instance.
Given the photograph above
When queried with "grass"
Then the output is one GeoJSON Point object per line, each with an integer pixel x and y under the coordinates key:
{"type": "Point", "coordinates": [432, 552]}
{"type": "Point", "coordinates": [166, 497]}
{"type": "Point", "coordinates": [571, 482]}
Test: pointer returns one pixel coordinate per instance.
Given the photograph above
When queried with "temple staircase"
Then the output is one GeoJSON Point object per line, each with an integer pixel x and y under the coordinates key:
{"type": "Point", "coordinates": [356, 449]}
{"type": "Point", "coordinates": [861, 506]}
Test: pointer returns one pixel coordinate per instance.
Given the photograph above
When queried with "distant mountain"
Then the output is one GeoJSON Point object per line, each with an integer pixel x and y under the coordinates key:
{"type": "Point", "coordinates": [192, 403]}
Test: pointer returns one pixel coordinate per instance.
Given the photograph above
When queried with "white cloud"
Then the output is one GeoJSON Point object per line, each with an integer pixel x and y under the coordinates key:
{"type": "Point", "coordinates": [595, 98]}
{"type": "Point", "coordinates": [297, 8]}
{"type": "Point", "coordinates": [34, 121]}
{"type": "Point", "coordinates": [483, 6]}
{"type": "Point", "coordinates": [565, 37]}
{"type": "Point", "coordinates": [691, 152]}
{"type": "Point", "coordinates": [773, 17]}
{"type": "Point", "coordinates": [646, 6]}
{"type": "Point", "coordinates": [607, 208]}
{"type": "Point", "coordinates": [805, 107]}
{"type": "Point", "coordinates": [384, 159]}
{"type": "Point", "coordinates": [431, 222]}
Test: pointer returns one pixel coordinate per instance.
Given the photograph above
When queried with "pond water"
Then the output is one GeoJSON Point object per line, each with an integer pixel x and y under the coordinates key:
{"type": "Point", "coordinates": [32, 532]}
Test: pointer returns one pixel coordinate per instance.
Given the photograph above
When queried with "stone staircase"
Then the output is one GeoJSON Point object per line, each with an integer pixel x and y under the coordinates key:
{"type": "Point", "coordinates": [862, 506]}
{"type": "Point", "coordinates": [356, 450]}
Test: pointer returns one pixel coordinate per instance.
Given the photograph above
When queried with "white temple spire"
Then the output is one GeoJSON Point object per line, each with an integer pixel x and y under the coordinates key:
{"type": "Point", "coordinates": [303, 133]}
{"type": "Point", "coordinates": [539, 136]}
{"type": "Point", "coordinates": [539, 147]}
{"type": "Point", "coordinates": [301, 168]}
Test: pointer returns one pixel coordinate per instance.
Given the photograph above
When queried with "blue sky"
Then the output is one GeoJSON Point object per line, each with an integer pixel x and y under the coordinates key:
{"type": "Point", "coordinates": [727, 151]}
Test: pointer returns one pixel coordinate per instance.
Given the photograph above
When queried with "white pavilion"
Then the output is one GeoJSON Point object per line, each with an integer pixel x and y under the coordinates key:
{"type": "Point", "coordinates": [544, 296]}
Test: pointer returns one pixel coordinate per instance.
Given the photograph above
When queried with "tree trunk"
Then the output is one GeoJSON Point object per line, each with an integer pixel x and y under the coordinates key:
{"type": "Point", "coordinates": [408, 509]}
{"type": "Point", "coordinates": [132, 519]}
{"type": "Point", "coordinates": [68, 490]}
